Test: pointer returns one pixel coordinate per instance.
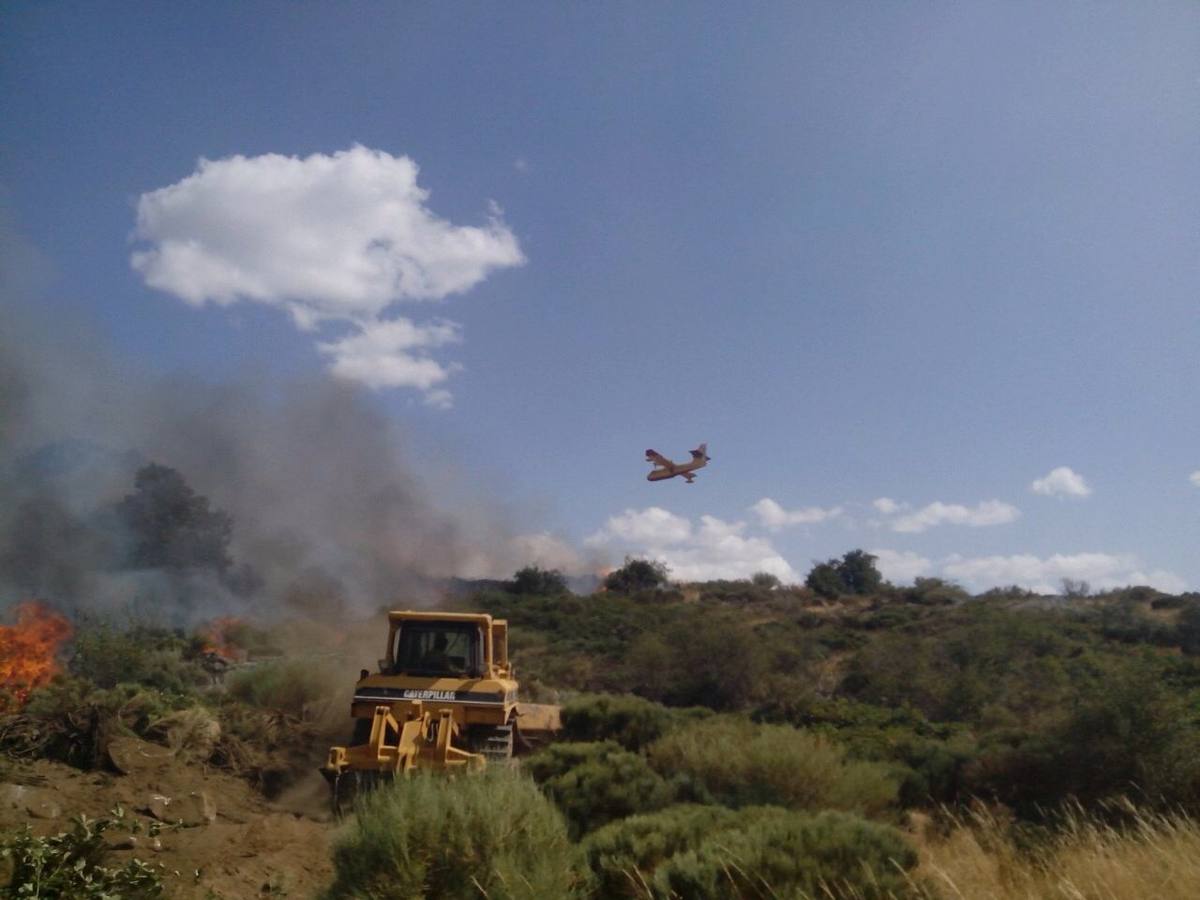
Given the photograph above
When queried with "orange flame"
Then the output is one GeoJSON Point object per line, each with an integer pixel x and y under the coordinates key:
{"type": "Point", "coordinates": [218, 640]}
{"type": "Point", "coordinates": [29, 650]}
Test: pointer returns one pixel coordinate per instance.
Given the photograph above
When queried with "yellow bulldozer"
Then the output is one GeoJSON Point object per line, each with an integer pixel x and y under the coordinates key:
{"type": "Point", "coordinates": [444, 697]}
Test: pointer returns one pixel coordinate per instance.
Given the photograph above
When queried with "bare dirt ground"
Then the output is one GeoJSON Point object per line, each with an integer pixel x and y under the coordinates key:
{"type": "Point", "coordinates": [232, 842]}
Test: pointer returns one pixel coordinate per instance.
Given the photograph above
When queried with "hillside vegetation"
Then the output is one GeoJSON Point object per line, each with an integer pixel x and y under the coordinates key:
{"type": "Point", "coordinates": [737, 739]}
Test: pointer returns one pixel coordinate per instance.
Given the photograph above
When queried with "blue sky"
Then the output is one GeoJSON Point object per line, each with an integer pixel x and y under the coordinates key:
{"type": "Point", "coordinates": [893, 262]}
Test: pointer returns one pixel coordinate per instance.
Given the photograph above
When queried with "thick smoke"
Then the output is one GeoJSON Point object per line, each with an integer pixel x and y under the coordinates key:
{"type": "Point", "coordinates": [327, 516]}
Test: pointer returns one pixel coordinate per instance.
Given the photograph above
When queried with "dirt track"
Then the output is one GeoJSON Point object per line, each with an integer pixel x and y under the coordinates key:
{"type": "Point", "coordinates": [233, 844]}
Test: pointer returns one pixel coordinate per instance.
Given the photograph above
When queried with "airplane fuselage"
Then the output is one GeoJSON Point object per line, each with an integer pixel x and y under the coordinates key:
{"type": "Point", "coordinates": [665, 468]}
{"type": "Point", "coordinates": [681, 469]}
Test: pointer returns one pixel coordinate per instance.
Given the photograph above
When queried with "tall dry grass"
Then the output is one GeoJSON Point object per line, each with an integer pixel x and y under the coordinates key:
{"type": "Point", "coordinates": [1151, 855]}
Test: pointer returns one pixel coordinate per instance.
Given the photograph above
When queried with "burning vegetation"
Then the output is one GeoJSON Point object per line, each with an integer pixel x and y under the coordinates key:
{"type": "Point", "coordinates": [29, 651]}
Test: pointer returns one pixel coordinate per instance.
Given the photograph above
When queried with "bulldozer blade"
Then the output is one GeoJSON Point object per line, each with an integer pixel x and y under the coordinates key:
{"type": "Point", "coordinates": [537, 725]}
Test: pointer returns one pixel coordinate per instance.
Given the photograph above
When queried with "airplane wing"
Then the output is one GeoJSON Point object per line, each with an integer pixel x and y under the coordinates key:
{"type": "Point", "coordinates": [658, 459]}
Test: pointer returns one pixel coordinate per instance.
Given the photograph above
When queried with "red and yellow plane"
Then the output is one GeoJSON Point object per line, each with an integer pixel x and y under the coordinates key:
{"type": "Point", "coordinates": [664, 468]}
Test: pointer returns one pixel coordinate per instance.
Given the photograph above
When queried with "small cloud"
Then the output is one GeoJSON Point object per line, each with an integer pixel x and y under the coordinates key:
{"type": "Point", "coordinates": [774, 517]}
{"type": "Point", "coordinates": [901, 566]}
{"type": "Point", "coordinates": [1194, 478]}
{"type": "Point", "coordinates": [650, 526]}
{"type": "Point", "coordinates": [521, 164]}
{"type": "Point", "coordinates": [888, 506]}
{"type": "Point", "coordinates": [989, 512]}
{"type": "Point", "coordinates": [391, 354]}
{"type": "Point", "coordinates": [1062, 482]}
{"type": "Point", "coordinates": [1045, 575]}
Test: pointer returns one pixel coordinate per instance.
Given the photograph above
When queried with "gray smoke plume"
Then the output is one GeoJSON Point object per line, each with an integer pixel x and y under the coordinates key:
{"type": "Point", "coordinates": [327, 514]}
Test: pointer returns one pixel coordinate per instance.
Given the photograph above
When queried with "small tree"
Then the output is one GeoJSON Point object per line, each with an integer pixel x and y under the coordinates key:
{"type": "Point", "coordinates": [854, 573]}
{"type": "Point", "coordinates": [539, 582]}
{"type": "Point", "coordinates": [170, 526]}
{"type": "Point", "coordinates": [1075, 589]}
{"type": "Point", "coordinates": [858, 573]}
{"type": "Point", "coordinates": [824, 580]}
{"type": "Point", "coordinates": [637, 575]}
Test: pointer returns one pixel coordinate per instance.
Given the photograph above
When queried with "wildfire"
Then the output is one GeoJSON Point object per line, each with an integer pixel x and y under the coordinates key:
{"type": "Point", "coordinates": [29, 650]}
{"type": "Point", "coordinates": [220, 638]}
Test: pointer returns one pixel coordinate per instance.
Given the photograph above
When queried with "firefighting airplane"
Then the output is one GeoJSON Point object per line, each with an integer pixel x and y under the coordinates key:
{"type": "Point", "coordinates": [664, 468]}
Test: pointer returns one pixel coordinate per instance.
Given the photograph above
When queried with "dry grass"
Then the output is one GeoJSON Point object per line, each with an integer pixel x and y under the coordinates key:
{"type": "Point", "coordinates": [1152, 856]}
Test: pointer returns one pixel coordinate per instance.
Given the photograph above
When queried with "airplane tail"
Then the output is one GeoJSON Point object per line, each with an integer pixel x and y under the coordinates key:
{"type": "Point", "coordinates": [701, 452]}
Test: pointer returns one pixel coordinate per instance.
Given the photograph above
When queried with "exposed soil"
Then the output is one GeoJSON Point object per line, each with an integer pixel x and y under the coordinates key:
{"type": "Point", "coordinates": [232, 844]}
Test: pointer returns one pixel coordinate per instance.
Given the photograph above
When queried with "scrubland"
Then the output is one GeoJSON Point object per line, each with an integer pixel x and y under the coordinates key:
{"type": "Point", "coordinates": [728, 739]}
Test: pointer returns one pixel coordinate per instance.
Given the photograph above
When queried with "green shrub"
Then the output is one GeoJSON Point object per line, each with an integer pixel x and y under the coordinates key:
{"type": "Point", "coordinates": [637, 575]}
{"type": "Point", "coordinates": [538, 581]}
{"type": "Point", "coordinates": [288, 686]}
{"type": "Point", "coordinates": [631, 721]}
{"type": "Point", "coordinates": [929, 759]}
{"type": "Point", "coordinates": [489, 835]}
{"type": "Point", "coordinates": [70, 865]}
{"type": "Point", "coordinates": [773, 853]}
{"type": "Point", "coordinates": [624, 854]}
{"type": "Point", "coordinates": [741, 763]}
{"type": "Point", "coordinates": [108, 656]}
{"type": "Point", "coordinates": [595, 783]}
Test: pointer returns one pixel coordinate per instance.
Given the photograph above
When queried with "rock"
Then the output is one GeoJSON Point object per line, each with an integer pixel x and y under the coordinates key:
{"type": "Point", "coordinates": [13, 795]}
{"type": "Point", "coordinates": [190, 733]}
{"type": "Point", "coordinates": [131, 755]}
{"type": "Point", "coordinates": [36, 802]}
{"type": "Point", "coordinates": [159, 807]}
{"type": "Point", "coordinates": [197, 808]}
{"type": "Point", "coordinates": [129, 842]}
{"type": "Point", "coordinates": [43, 809]}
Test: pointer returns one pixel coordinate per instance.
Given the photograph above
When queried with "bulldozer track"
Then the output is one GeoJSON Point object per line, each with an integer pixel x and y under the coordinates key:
{"type": "Point", "coordinates": [495, 744]}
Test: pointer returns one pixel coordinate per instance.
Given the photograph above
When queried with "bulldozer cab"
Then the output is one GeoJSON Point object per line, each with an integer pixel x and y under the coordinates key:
{"type": "Point", "coordinates": [437, 649]}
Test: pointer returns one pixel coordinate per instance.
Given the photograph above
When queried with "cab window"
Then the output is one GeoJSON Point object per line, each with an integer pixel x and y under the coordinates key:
{"type": "Point", "coordinates": [438, 648]}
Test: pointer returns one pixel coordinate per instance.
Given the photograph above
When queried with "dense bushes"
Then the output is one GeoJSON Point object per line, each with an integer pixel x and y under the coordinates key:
{"type": "Point", "coordinates": [631, 721]}
{"type": "Point", "coordinates": [154, 657]}
{"type": "Point", "coordinates": [72, 721]}
{"type": "Point", "coordinates": [707, 852]}
{"type": "Point", "coordinates": [492, 835]}
{"type": "Point", "coordinates": [595, 783]}
{"type": "Point", "coordinates": [623, 855]}
{"type": "Point", "coordinates": [740, 763]}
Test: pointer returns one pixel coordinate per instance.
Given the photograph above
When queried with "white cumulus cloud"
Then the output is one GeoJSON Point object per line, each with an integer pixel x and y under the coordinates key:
{"type": "Point", "coordinates": [989, 512]}
{"type": "Point", "coordinates": [1045, 575]}
{"type": "Point", "coordinates": [888, 506]}
{"type": "Point", "coordinates": [774, 517]}
{"type": "Point", "coordinates": [329, 238]}
{"type": "Point", "coordinates": [652, 526]}
{"type": "Point", "coordinates": [900, 566]}
{"type": "Point", "coordinates": [712, 549]}
{"type": "Point", "coordinates": [391, 354]}
{"type": "Point", "coordinates": [1194, 478]}
{"type": "Point", "coordinates": [1062, 482]}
